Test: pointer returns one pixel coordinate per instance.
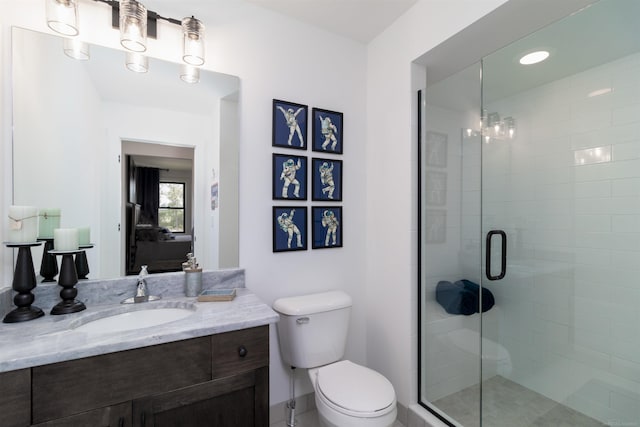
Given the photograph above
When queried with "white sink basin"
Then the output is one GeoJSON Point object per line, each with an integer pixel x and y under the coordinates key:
{"type": "Point", "coordinates": [134, 320]}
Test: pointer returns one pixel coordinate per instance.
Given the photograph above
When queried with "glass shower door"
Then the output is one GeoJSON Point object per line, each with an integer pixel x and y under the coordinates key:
{"type": "Point", "coordinates": [561, 190]}
{"type": "Point", "coordinates": [450, 248]}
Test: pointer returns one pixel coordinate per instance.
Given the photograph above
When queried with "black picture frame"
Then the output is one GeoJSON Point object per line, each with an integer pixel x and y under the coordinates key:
{"type": "Point", "coordinates": [323, 236]}
{"type": "Point", "coordinates": [289, 228]}
{"type": "Point", "coordinates": [326, 179]}
{"type": "Point", "coordinates": [289, 177]}
{"type": "Point", "coordinates": [327, 135]}
{"type": "Point", "coordinates": [289, 126]}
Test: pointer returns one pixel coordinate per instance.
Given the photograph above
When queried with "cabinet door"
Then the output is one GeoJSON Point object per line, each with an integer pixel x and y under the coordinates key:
{"type": "Point", "coordinates": [226, 402]}
{"type": "Point", "coordinates": [15, 398]}
{"type": "Point", "coordinates": [77, 386]}
{"type": "Point", "coordinates": [111, 416]}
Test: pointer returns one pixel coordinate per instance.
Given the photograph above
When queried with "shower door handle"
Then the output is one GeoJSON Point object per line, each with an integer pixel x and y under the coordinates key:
{"type": "Point", "coordinates": [503, 264]}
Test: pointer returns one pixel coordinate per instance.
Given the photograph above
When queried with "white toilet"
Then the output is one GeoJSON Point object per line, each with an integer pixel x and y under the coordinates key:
{"type": "Point", "coordinates": [313, 333]}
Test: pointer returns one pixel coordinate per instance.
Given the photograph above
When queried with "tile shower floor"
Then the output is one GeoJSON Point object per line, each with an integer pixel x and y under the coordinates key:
{"type": "Point", "coordinates": [507, 404]}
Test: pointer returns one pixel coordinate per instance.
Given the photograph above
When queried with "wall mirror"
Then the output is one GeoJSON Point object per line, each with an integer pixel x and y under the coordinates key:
{"type": "Point", "coordinates": [81, 127]}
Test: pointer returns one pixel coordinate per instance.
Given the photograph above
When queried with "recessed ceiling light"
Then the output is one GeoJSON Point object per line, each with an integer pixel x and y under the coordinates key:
{"type": "Point", "coordinates": [534, 57]}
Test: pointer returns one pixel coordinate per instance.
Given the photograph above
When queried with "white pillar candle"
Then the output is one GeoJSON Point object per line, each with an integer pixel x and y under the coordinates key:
{"type": "Point", "coordinates": [84, 235]}
{"type": "Point", "coordinates": [65, 239]}
{"type": "Point", "coordinates": [48, 220]}
{"type": "Point", "coordinates": [23, 224]}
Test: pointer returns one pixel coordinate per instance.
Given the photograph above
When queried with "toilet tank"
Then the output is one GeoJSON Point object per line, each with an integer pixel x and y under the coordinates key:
{"type": "Point", "coordinates": [313, 328]}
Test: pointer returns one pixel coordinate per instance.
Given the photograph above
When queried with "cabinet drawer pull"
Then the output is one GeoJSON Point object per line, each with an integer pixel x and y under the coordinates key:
{"type": "Point", "coordinates": [242, 351]}
{"type": "Point", "coordinates": [143, 419]}
{"type": "Point", "coordinates": [121, 422]}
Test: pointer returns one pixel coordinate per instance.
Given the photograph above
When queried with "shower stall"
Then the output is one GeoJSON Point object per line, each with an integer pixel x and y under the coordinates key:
{"type": "Point", "coordinates": [529, 229]}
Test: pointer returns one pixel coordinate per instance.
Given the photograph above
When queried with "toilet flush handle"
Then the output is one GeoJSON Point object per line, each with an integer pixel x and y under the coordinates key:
{"type": "Point", "coordinates": [302, 320]}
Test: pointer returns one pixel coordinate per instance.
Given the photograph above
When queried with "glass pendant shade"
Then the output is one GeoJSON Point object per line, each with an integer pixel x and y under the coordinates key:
{"type": "Point", "coordinates": [62, 16]}
{"type": "Point", "coordinates": [76, 49]}
{"type": "Point", "coordinates": [137, 62]}
{"type": "Point", "coordinates": [190, 74]}
{"type": "Point", "coordinates": [193, 36]}
{"type": "Point", "coordinates": [133, 26]}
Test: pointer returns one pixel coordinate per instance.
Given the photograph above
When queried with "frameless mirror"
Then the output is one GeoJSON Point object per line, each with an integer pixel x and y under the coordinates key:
{"type": "Point", "coordinates": [83, 129]}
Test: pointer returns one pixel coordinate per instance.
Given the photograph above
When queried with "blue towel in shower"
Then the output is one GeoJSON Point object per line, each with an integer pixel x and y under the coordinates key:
{"type": "Point", "coordinates": [463, 297]}
{"type": "Point", "coordinates": [487, 297]}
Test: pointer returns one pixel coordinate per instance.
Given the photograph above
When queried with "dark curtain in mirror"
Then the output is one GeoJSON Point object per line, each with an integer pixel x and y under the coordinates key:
{"type": "Point", "coordinates": [148, 194]}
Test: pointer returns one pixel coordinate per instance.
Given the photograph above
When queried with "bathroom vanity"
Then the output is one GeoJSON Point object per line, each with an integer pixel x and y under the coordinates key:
{"type": "Point", "coordinates": [208, 368]}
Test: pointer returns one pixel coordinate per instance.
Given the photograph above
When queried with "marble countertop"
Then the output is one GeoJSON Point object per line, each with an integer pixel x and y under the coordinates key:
{"type": "Point", "coordinates": [51, 339]}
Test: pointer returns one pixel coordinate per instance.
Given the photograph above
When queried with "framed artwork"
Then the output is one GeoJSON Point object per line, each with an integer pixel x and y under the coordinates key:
{"type": "Point", "coordinates": [289, 228]}
{"type": "Point", "coordinates": [326, 179]}
{"type": "Point", "coordinates": [327, 131]}
{"type": "Point", "coordinates": [436, 149]}
{"type": "Point", "coordinates": [435, 226]}
{"type": "Point", "coordinates": [289, 125]}
{"type": "Point", "coordinates": [289, 177]}
{"type": "Point", "coordinates": [326, 227]}
{"type": "Point", "coordinates": [436, 188]}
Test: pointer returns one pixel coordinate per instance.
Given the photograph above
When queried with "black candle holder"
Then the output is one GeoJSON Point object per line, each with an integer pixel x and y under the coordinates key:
{"type": "Point", "coordinates": [67, 279]}
{"type": "Point", "coordinates": [82, 265]}
{"type": "Point", "coordinates": [24, 280]}
{"type": "Point", "coordinates": [49, 264]}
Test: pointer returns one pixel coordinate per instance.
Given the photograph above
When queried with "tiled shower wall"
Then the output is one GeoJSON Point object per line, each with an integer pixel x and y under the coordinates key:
{"type": "Point", "coordinates": [566, 190]}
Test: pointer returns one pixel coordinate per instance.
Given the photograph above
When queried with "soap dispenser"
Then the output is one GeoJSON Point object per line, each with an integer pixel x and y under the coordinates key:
{"type": "Point", "coordinates": [193, 277]}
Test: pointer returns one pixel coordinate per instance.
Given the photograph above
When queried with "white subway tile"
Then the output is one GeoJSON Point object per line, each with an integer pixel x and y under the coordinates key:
{"type": "Point", "coordinates": [626, 115]}
{"type": "Point", "coordinates": [625, 187]}
{"type": "Point", "coordinates": [593, 223]}
{"type": "Point", "coordinates": [592, 189]}
{"type": "Point", "coordinates": [625, 151]}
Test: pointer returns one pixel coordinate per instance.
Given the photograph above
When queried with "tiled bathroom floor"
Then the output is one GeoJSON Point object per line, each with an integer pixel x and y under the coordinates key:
{"type": "Point", "coordinates": [310, 419]}
{"type": "Point", "coordinates": [507, 404]}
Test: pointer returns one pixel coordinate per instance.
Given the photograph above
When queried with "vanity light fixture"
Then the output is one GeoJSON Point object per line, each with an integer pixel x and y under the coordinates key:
{"type": "Point", "coordinates": [493, 127]}
{"type": "Point", "coordinates": [133, 25]}
{"type": "Point", "coordinates": [76, 49]}
{"type": "Point", "coordinates": [534, 57]}
{"type": "Point", "coordinates": [62, 16]}
{"type": "Point", "coordinates": [193, 41]}
{"type": "Point", "coordinates": [137, 62]}
{"type": "Point", "coordinates": [190, 74]}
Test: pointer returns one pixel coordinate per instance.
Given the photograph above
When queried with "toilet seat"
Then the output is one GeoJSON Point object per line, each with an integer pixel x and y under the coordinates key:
{"type": "Point", "coordinates": [354, 390]}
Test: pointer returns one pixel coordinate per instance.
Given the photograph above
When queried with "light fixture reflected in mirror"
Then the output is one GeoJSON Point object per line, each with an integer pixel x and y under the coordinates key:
{"type": "Point", "coordinates": [133, 25]}
{"type": "Point", "coordinates": [493, 127]}
{"type": "Point", "coordinates": [190, 74]}
{"type": "Point", "coordinates": [62, 16]}
{"type": "Point", "coordinates": [137, 62]}
{"type": "Point", "coordinates": [76, 49]}
{"type": "Point", "coordinates": [193, 38]}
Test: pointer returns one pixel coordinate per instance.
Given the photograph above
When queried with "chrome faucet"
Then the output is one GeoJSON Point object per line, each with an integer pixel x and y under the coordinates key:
{"type": "Point", "coordinates": [142, 292]}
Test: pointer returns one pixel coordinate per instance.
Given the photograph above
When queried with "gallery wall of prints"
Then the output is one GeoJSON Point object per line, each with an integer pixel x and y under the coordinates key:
{"type": "Point", "coordinates": [297, 177]}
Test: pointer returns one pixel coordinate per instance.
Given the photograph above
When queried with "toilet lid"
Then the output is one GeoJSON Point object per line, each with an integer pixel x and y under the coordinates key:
{"type": "Point", "coordinates": [354, 387]}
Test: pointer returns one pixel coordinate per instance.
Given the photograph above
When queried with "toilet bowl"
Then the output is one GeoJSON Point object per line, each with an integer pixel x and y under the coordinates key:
{"type": "Point", "coordinates": [467, 340]}
{"type": "Point", "coordinates": [351, 395]}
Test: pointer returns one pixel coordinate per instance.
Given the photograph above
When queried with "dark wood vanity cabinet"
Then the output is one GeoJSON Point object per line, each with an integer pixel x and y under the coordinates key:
{"type": "Point", "coordinates": [218, 380]}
